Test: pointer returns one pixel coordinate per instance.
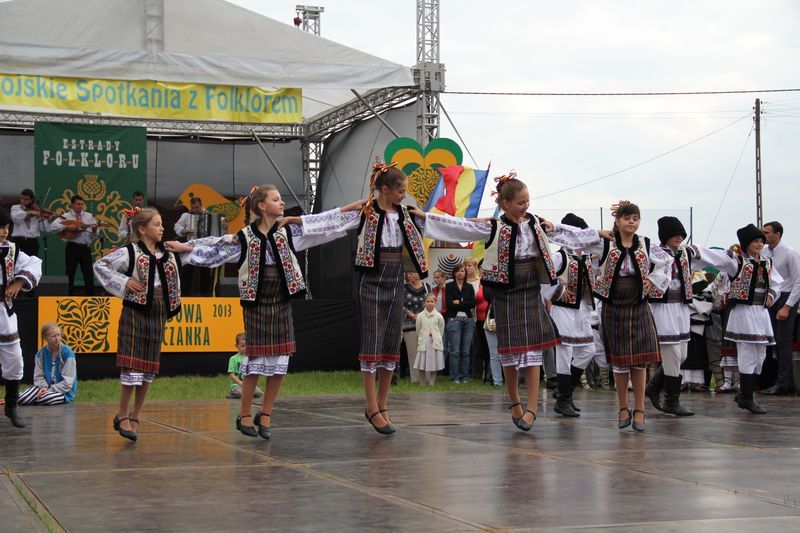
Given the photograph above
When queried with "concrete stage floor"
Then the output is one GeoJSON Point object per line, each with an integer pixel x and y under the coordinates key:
{"type": "Point", "coordinates": [456, 463]}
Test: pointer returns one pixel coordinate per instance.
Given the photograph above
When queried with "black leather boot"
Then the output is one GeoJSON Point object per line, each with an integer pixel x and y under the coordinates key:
{"type": "Point", "coordinates": [11, 409]}
{"type": "Point", "coordinates": [672, 394]}
{"type": "Point", "coordinates": [576, 382]}
{"type": "Point", "coordinates": [745, 399]}
{"type": "Point", "coordinates": [654, 386]}
{"type": "Point", "coordinates": [564, 394]}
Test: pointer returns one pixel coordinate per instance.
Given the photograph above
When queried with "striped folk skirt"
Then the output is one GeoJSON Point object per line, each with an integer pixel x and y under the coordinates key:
{"type": "Point", "coordinates": [522, 322]}
{"type": "Point", "coordinates": [268, 326]}
{"type": "Point", "coordinates": [380, 299]}
{"type": "Point", "coordinates": [139, 340]}
{"type": "Point", "coordinates": [629, 331]}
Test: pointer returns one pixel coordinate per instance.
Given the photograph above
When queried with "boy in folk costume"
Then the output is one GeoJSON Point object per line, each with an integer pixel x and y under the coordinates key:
{"type": "Point", "coordinates": [269, 275]}
{"type": "Point", "coordinates": [629, 271]}
{"type": "Point", "coordinates": [754, 287]}
{"type": "Point", "coordinates": [517, 262]}
{"type": "Point", "coordinates": [671, 313]}
{"type": "Point", "coordinates": [145, 274]}
{"type": "Point", "coordinates": [20, 272]}
{"type": "Point", "coordinates": [387, 235]}
{"type": "Point", "coordinates": [571, 313]}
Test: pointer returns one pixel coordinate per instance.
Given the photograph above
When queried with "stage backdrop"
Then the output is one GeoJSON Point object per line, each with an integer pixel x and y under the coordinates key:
{"type": "Point", "coordinates": [89, 325]}
{"type": "Point", "coordinates": [103, 164]}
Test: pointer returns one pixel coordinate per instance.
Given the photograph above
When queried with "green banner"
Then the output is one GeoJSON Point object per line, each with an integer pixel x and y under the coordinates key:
{"type": "Point", "coordinates": [103, 164]}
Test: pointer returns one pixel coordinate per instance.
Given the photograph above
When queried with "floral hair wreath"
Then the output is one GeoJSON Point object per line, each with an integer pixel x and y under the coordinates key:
{"type": "Point", "coordinates": [243, 201]}
{"type": "Point", "coordinates": [501, 180]}
{"type": "Point", "coordinates": [378, 167]}
{"type": "Point", "coordinates": [616, 207]}
{"type": "Point", "coordinates": [130, 213]}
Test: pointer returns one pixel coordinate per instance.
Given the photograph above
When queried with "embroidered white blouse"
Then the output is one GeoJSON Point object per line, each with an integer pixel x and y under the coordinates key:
{"type": "Point", "coordinates": [212, 252]}
{"type": "Point", "coordinates": [334, 220]}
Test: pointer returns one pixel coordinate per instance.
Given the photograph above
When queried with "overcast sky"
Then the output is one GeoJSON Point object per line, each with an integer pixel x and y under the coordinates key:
{"type": "Point", "coordinates": [611, 46]}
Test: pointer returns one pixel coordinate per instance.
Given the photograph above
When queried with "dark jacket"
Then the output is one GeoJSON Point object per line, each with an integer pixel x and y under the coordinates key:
{"type": "Point", "coordinates": [465, 297]}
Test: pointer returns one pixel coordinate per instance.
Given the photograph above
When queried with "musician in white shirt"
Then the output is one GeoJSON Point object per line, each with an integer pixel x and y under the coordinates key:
{"type": "Point", "coordinates": [186, 229]}
{"type": "Point", "coordinates": [125, 221]}
{"type": "Point", "coordinates": [79, 235]}
{"type": "Point", "coordinates": [29, 223]}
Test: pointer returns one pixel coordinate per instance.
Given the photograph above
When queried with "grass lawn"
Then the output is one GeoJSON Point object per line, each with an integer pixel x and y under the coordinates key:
{"type": "Point", "coordinates": [296, 384]}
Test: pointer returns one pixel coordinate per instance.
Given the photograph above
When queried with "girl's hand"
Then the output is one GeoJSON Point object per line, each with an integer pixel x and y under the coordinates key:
{"type": "Point", "coordinates": [606, 234]}
{"type": "Point", "coordinates": [547, 226]}
{"type": "Point", "coordinates": [41, 392]}
{"type": "Point", "coordinates": [416, 211]}
{"type": "Point", "coordinates": [13, 289]}
{"type": "Point", "coordinates": [178, 247]}
{"type": "Point", "coordinates": [648, 286]}
{"type": "Point", "coordinates": [290, 220]}
{"type": "Point", "coordinates": [354, 206]}
{"type": "Point", "coordinates": [134, 285]}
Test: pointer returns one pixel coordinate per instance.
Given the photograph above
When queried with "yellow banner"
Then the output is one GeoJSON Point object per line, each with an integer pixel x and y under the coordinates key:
{"type": "Point", "coordinates": [90, 325]}
{"type": "Point", "coordinates": [154, 99]}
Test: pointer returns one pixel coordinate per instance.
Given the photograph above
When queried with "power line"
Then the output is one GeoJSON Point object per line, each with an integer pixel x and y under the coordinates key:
{"type": "Point", "coordinates": [459, 135]}
{"type": "Point", "coordinates": [725, 194]}
{"type": "Point", "coordinates": [643, 162]}
{"type": "Point", "coordinates": [660, 93]}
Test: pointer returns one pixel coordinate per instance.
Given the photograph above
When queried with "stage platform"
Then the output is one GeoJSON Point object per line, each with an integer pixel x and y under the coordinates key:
{"type": "Point", "coordinates": [456, 463]}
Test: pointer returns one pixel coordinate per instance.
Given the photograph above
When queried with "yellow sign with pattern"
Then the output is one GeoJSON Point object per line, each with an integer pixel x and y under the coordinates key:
{"type": "Point", "coordinates": [90, 324]}
{"type": "Point", "coordinates": [154, 99]}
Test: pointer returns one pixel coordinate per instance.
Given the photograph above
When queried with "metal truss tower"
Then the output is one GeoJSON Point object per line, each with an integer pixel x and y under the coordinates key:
{"type": "Point", "coordinates": [310, 16]}
{"type": "Point", "coordinates": [429, 72]}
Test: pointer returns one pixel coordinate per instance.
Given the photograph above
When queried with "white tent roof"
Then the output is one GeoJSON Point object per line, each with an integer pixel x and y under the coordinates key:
{"type": "Point", "coordinates": [204, 41]}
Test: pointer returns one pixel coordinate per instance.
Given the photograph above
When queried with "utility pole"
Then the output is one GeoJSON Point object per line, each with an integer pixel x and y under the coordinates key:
{"type": "Point", "coordinates": [757, 119]}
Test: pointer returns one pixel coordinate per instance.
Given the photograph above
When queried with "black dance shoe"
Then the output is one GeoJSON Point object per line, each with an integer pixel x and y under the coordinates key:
{"type": "Point", "coordinates": [385, 430]}
{"type": "Point", "coordinates": [127, 433]}
{"type": "Point", "coordinates": [638, 426]}
{"type": "Point", "coordinates": [250, 431]}
{"type": "Point", "coordinates": [622, 424]}
{"type": "Point", "coordinates": [263, 431]}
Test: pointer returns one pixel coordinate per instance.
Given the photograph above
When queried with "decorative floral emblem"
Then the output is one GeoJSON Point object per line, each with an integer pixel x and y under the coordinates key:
{"type": "Point", "coordinates": [84, 323]}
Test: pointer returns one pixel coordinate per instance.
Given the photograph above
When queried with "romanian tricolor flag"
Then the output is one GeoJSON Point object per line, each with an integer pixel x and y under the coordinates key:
{"type": "Point", "coordinates": [458, 192]}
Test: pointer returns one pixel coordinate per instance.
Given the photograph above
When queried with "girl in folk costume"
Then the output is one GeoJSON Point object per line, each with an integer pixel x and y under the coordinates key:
{"type": "Point", "coordinates": [630, 269]}
{"type": "Point", "coordinates": [20, 272]}
{"type": "Point", "coordinates": [387, 235]}
{"type": "Point", "coordinates": [754, 286]}
{"type": "Point", "coordinates": [269, 275]}
{"type": "Point", "coordinates": [671, 313]}
{"type": "Point", "coordinates": [430, 347]}
{"type": "Point", "coordinates": [55, 379]}
{"type": "Point", "coordinates": [517, 261]}
{"type": "Point", "coordinates": [572, 314]}
{"type": "Point", "coordinates": [145, 275]}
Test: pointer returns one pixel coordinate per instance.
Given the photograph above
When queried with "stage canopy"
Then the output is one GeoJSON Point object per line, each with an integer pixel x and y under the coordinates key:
{"type": "Point", "coordinates": [190, 41]}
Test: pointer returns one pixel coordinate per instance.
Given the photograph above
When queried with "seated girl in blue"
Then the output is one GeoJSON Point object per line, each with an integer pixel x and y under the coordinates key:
{"type": "Point", "coordinates": [55, 379]}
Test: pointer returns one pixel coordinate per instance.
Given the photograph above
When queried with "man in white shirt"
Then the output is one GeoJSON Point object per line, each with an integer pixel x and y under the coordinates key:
{"type": "Point", "coordinates": [125, 221]}
{"type": "Point", "coordinates": [28, 223]}
{"type": "Point", "coordinates": [79, 229]}
{"type": "Point", "coordinates": [784, 312]}
{"type": "Point", "coordinates": [187, 231]}
{"type": "Point", "coordinates": [184, 228]}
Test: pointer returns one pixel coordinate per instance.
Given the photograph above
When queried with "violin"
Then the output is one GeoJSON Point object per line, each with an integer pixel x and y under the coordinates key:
{"type": "Point", "coordinates": [35, 210]}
